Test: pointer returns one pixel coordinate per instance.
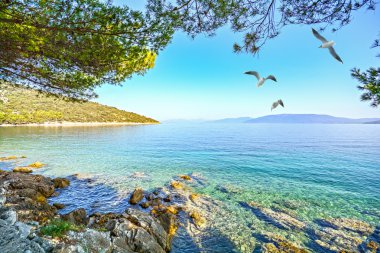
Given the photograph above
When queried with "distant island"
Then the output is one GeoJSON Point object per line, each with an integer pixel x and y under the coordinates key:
{"type": "Point", "coordinates": [300, 119]}
{"type": "Point", "coordinates": [26, 106]}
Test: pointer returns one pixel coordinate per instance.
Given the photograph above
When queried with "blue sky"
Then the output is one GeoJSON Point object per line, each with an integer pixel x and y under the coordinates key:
{"type": "Point", "coordinates": [203, 78]}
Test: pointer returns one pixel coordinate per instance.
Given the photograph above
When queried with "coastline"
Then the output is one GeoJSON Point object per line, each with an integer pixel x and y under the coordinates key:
{"type": "Point", "coordinates": [75, 124]}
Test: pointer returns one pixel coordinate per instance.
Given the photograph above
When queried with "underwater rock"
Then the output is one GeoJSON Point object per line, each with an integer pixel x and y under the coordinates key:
{"type": "Point", "coordinates": [193, 197]}
{"type": "Point", "coordinates": [197, 218]}
{"type": "Point", "coordinates": [281, 219]}
{"type": "Point", "coordinates": [8, 158]}
{"type": "Point", "coordinates": [269, 248]}
{"type": "Point", "coordinates": [36, 165]}
{"type": "Point", "coordinates": [60, 182]}
{"type": "Point", "coordinates": [185, 177]}
{"type": "Point", "coordinates": [23, 170]}
{"type": "Point", "coordinates": [176, 185]}
{"type": "Point", "coordinates": [338, 240]}
{"type": "Point", "coordinates": [137, 196]}
{"type": "Point", "coordinates": [350, 224]}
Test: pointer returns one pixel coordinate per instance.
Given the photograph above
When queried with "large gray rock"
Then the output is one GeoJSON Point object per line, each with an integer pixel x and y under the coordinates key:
{"type": "Point", "coordinates": [8, 215]}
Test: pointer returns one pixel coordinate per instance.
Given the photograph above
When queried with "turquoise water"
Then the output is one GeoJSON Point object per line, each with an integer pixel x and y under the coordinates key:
{"type": "Point", "coordinates": [324, 170]}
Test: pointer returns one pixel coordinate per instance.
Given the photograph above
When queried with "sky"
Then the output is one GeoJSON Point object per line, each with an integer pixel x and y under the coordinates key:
{"type": "Point", "coordinates": [203, 78]}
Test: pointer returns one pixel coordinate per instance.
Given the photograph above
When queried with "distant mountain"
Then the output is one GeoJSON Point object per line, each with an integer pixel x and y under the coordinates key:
{"type": "Point", "coordinates": [233, 120]}
{"type": "Point", "coordinates": [25, 106]}
{"type": "Point", "coordinates": [373, 122]}
{"type": "Point", "coordinates": [300, 119]}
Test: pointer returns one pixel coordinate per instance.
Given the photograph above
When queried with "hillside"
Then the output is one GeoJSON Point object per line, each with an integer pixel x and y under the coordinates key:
{"type": "Point", "coordinates": [28, 106]}
{"type": "Point", "coordinates": [299, 119]}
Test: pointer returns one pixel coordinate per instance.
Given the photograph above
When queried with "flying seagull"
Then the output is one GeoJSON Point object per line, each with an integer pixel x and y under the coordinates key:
{"type": "Point", "coordinates": [276, 103]}
{"type": "Point", "coordinates": [327, 44]}
{"type": "Point", "coordinates": [261, 80]}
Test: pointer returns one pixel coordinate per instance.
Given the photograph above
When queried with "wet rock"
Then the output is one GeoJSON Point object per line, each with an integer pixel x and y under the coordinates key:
{"type": "Point", "coordinates": [137, 196]}
{"type": "Point", "coordinates": [36, 165]}
{"type": "Point", "coordinates": [193, 197]}
{"type": "Point", "coordinates": [197, 218]}
{"type": "Point", "coordinates": [59, 205]}
{"type": "Point", "coordinates": [145, 204]}
{"type": "Point", "coordinates": [371, 246]}
{"type": "Point", "coordinates": [168, 198]}
{"type": "Point", "coordinates": [8, 158]}
{"type": "Point", "coordinates": [60, 182]}
{"type": "Point", "coordinates": [176, 185]}
{"type": "Point", "coordinates": [185, 177]}
{"type": "Point", "coordinates": [350, 224]}
{"type": "Point", "coordinates": [150, 196]}
{"type": "Point", "coordinates": [23, 170]}
{"type": "Point", "coordinates": [78, 217]}
{"type": "Point", "coordinates": [103, 221]}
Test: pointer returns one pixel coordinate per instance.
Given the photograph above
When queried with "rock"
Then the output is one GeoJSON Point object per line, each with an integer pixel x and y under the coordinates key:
{"type": "Point", "coordinates": [23, 229]}
{"type": "Point", "coordinates": [280, 219]}
{"type": "Point", "coordinates": [176, 185]}
{"type": "Point", "coordinates": [198, 220]}
{"type": "Point", "coordinates": [350, 224]}
{"type": "Point", "coordinates": [372, 246]}
{"type": "Point", "coordinates": [185, 177]}
{"type": "Point", "coordinates": [60, 182]}
{"type": "Point", "coordinates": [137, 196]}
{"type": "Point", "coordinates": [91, 240]}
{"type": "Point", "coordinates": [193, 197]}
{"type": "Point", "coordinates": [269, 248]}
{"type": "Point", "coordinates": [145, 204]}
{"type": "Point", "coordinates": [338, 240]}
{"type": "Point", "coordinates": [23, 170]}
{"type": "Point", "coordinates": [59, 205]}
{"type": "Point", "coordinates": [151, 226]}
{"type": "Point", "coordinates": [8, 215]}
{"type": "Point", "coordinates": [8, 158]}
{"type": "Point", "coordinates": [172, 209]}
{"type": "Point", "coordinates": [36, 165]}
{"type": "Point", "coordinates": [78, 217]}
{"type": "Point", "coordinates": [130, 237]}
{"type": "Point", "coordinates": [168, 198]}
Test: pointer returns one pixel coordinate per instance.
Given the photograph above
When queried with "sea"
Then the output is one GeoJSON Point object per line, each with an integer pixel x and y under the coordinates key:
{"type": "Point", "coordinates": [314, 171]}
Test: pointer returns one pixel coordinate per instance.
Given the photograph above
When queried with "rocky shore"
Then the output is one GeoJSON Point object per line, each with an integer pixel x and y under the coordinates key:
{"type": "Point", "coordinates": [25, 215]}
{"type": "Point", "coordinates": [172, 216]}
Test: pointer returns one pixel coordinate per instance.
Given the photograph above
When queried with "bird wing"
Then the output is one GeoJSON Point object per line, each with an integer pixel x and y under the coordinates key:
{"type": "Point", "coordinates": [274, 105]}
{"type": "Point", "coordinates": [281, 103]}
{"type": "Point", "coordinates": [318, 36]}
{"type": "Point", "coordinates": [334, 54]}
{"type": "Point", "coordinates": [271, 77]}
{"type": "Point", "coordinates": [254, 73]}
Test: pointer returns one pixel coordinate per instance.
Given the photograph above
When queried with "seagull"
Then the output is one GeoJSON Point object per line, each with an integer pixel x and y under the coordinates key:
{"type": "Point", "coordinates": [261, 80]}
{"type": "Point", "coordinates": [275, 104]}
{"type": "Point", "coordinates": [327, 44]}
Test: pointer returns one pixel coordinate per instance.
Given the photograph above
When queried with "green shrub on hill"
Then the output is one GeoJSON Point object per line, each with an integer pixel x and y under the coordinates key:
{"type": "Point", "coordinates": [28, 106]}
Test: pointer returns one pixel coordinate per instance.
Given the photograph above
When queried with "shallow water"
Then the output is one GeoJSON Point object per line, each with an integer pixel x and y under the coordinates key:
{"type": "Point", "coordinates": [314, 171]}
